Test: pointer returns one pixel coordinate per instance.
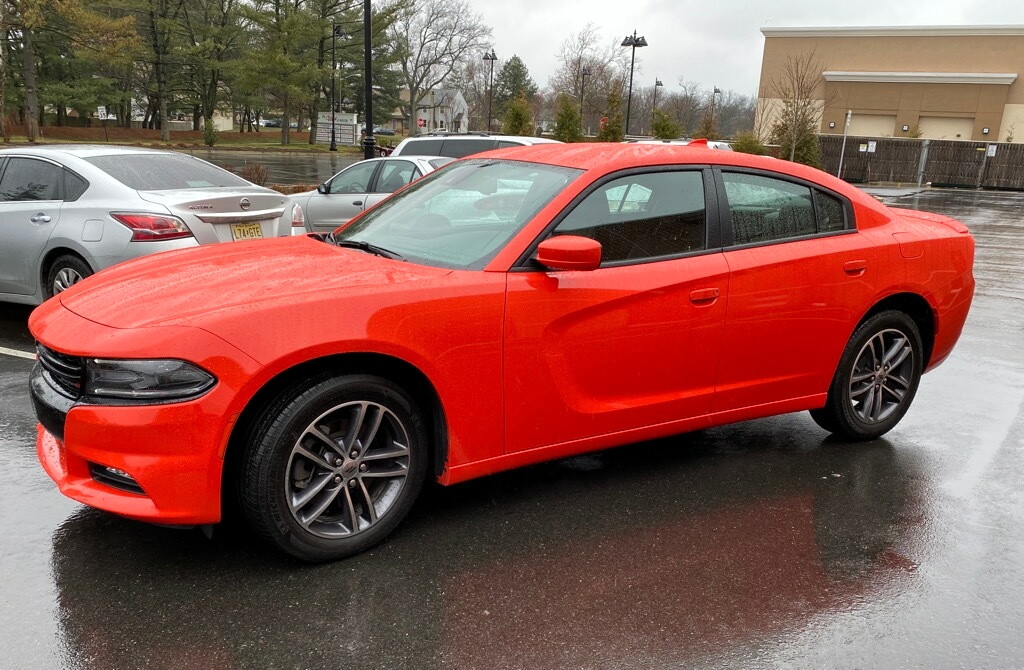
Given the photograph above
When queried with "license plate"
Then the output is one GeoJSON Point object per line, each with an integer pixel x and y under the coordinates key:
{"type": "Point", "coordinates": [246, 231]}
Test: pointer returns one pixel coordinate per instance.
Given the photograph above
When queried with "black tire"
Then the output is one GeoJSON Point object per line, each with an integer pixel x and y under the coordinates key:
{"type": "Point", "coordinates": [268, 477]}
{"type": "Point", "coordinates": [62, 266]}
{"type": "Point", "coordinates": [846, 412]}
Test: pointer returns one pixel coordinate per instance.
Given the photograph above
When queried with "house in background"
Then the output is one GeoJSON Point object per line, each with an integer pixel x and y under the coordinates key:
{"type": "Point", "coordinates": [438, 109]}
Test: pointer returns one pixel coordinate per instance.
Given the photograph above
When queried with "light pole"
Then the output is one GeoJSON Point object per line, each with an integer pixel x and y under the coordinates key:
{"type": "Point", "coordinates": [583, 83]}
{"type": "Point", "coordinates": [654, 110]}
{"type": "Point", "coordinates": [634, 42]}
{"type": "Point", "coordinates": [369, 143]}
{"type": "Point", "coordinates": [336, 32]}
{"type": "Point", "coordinates": [490, 58]}
{"type": "Point", "coordinates": [715, 91]}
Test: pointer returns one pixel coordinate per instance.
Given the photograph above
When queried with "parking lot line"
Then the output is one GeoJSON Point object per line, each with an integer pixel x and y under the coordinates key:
{"type": "Point", "coordinates": [17, 353]}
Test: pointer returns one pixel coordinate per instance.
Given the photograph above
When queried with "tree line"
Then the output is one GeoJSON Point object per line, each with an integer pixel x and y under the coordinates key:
{"type": "Point", "coordinates": [160, 60]}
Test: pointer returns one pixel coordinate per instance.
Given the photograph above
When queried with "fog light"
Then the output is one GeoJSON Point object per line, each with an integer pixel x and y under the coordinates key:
{"type": "Point", "coordinates": [114, 478]}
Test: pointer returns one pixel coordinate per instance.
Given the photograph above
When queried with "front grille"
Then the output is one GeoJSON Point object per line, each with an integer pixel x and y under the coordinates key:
{"type": "Point", "coordinates": [62, 371]}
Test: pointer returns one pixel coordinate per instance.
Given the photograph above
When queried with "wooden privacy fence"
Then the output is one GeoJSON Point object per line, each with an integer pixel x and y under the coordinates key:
{"type": "Point", "coordinates": [956, 163]}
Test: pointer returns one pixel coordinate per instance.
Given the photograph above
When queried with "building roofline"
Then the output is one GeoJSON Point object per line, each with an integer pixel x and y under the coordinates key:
{"type": "Point", "coordinates": [892, 31]}
{"type": "Point", "coordinates": [923, 77]}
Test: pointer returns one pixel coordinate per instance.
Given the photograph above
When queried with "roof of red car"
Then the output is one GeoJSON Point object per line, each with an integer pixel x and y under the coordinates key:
{"type": "Point", "coordinates": [610, 157]}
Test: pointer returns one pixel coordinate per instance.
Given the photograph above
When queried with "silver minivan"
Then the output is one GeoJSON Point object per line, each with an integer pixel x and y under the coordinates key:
{"type": "Point", "coordinates": [67, 211]}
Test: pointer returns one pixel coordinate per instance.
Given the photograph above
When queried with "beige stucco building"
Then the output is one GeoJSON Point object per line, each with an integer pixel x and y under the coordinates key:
{"type": "Point", "coordinates": [938, 82]}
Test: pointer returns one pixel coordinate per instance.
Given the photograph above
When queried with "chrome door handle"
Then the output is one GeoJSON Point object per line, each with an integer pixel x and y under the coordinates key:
{"type": "Point", "coordinates": [357, 203]}
{"type": "Point", "coordinates": [40, 218]}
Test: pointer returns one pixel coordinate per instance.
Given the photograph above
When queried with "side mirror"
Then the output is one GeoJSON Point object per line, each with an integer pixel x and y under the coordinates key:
{"type": "Point", "coordinates": [569, 252]}
{"type": "Point", "coordinates": [322, 189]}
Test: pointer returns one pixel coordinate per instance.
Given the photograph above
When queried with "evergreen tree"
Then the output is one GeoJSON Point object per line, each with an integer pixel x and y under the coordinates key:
{"type": "Point", "coordinates": [748, 142]}
{"type": "Point", "coordinates": [518, 117]}
{"type": "Point", "coordinates": [664, 128]}
{"type": "Point", "coordinates": [706, 129]}
{"type": "Point", "coordinates": [512, 79]}
{"type": "Point", "coordinates": [568, 121]}
{"type": "Point", "coordinates": [611, 129]}
{"type": "Point", "coordinates": [802, 144]}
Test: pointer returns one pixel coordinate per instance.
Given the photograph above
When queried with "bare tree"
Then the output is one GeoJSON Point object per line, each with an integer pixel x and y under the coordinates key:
{"type": "Point", "coordinates": [602, 59]}
{"type": "Point", "coordinates": [433, 38]}
{"type": "Point", "coordinates": [797, 89]}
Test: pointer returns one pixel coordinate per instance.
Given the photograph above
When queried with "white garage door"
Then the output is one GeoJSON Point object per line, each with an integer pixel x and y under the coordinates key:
{"type": "Point", "coordinates": [873, 125]}
{"type": "Point", "coordinates": [945, 128]}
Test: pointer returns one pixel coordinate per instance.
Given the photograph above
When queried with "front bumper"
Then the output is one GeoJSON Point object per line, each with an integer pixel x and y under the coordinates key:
{"type": "Point", "coordinates": [174, 452]}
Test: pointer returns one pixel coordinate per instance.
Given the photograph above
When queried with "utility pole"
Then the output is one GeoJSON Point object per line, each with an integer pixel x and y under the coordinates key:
{"type": "Point", "coordinates": [490, 58]}
{"type": "Point", "coordinates": [335, 32]}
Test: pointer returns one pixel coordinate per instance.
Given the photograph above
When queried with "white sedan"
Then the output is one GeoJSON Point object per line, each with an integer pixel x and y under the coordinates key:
{"type": "Point", "coordinates": [359, 186]}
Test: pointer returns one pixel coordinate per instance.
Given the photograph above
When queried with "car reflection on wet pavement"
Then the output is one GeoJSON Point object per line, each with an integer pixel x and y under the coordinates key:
{"type": "Point", "coordinates": [761, 544]}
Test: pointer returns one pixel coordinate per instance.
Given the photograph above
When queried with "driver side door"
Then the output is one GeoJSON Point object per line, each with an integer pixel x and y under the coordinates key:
{"type": "Point", "coordinates": [633, 344]}
{"type": "Point", "coordinates": [345, 198]}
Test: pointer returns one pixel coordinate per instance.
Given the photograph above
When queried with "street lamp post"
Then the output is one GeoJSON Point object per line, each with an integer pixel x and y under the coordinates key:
{"type": "Point", "coordinates": [715, 91]}
{"type": "Point", "coordinates": [654, 109]}
{"type": "Point", "coordinates": [369, 143]}
{"type": "Point", "coordinates": [634, 42]}
{"type": "Point", "coordinates": [490, 58]}
{"type": "Point", "coordinates": [336, 32]}
{"type": "Point", "coordinates": [583, 83]}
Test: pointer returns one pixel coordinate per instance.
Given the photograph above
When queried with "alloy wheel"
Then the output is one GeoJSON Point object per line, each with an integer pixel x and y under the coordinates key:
{"type": "Point", "coordinates": [65, 279]}
{"type": "Point", "coordinates": [882, 376]}
{"type": "Point", "coordinates": [347, 469]}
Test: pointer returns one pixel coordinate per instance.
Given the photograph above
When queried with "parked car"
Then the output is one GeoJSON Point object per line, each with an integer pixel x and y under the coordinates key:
{"type": "Point", "coordinates": [526, 305]}
{"type": "Point", "coordinates": [711, 144]}
{"type": "Point", "coordinates": [360, 186]}
{"type": "Point", "coordinates": [69, 211]}
{"type": "Point", "coordinates": [460, 145]}
{"type": "Point", "coordinates": [381, 130]}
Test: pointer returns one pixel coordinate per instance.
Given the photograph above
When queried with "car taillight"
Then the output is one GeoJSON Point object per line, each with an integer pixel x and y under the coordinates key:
{"type": "Point", "coordinates": [298, 221]}
{"type": "Point", "coordinates": [148, 227]}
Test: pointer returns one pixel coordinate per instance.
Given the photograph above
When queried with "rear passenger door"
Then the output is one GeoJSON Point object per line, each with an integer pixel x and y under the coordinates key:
{"type": "Point", "coordinates": [30, 201]}
{"type": "Point", "coordinates": [799, 277]}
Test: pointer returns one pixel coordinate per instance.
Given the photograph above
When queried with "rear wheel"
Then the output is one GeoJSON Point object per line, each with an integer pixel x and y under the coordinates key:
{"type": "Point", "coordinates": [332, 470]}
{"type": "Point", "coordinates": [877, 378]}
{"type": "Point", "coordinates": [65, 272]}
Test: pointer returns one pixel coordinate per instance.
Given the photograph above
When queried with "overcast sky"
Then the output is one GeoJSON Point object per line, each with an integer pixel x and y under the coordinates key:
{"type": "Point", "coordinates": [712, 42]}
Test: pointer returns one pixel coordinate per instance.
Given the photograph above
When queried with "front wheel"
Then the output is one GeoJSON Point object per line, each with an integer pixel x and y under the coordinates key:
{"type": "Point", "coordinates": [331, 471]}
{"type": "Point", "coordinates": [877, 378]}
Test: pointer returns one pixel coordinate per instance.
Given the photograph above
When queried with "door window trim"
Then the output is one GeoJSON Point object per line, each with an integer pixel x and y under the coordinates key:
{"type": "Point", "coordinates": [712, 228]}
{"type": "Point", "coordinates": [726, 213]}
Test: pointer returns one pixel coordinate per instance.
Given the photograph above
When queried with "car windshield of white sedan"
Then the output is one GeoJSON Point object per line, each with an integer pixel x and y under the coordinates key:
{"type": "Point", "coordinates": [461, 215]}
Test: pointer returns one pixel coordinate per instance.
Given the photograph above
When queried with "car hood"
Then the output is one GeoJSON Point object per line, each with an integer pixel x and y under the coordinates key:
{"type": "Point", "coordinates": [188, 287]}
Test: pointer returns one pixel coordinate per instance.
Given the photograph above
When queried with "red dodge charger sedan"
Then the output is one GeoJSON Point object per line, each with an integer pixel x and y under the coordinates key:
{"type": "Point", "coordinates": [520, 306]}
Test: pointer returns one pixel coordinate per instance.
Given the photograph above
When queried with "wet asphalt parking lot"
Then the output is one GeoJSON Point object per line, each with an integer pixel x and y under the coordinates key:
{"type": "Point", "coordinates": [764, 544]}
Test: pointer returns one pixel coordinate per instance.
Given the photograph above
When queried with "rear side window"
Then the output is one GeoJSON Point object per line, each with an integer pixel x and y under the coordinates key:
{"type": "Point", "coordinates": [394, 175]}
{"type": "Point", "coordinates": [30, 179]}
{"type": "Point", "coordinates": [74, 186]}
{"type": "Point", "coordinates": [831, 213]}
{"type": "Point", "coordinates": [164, 172]}
{"type": "Point", "coordinates": [764, 209]}
{"type": "Point", "coordinates": [422, 148]}
{"type": "Point", "coordinates": [462, 148]}
{"type": "Point", "coordinates": [643, 216]}
{"type": "Point", "coordinates": [438, 163]}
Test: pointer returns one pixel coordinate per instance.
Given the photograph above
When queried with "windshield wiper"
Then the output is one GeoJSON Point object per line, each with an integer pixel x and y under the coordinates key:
{"type": "Point", "coordinates": [369, 248]}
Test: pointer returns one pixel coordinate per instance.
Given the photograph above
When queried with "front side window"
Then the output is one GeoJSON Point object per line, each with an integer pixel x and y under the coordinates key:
{"type": "Point", "coordinates": [394, 175]}
{"type": "Point", "coordinates": [30, 179]}
{"type": "Point", "coordinates": [643, 216]}
{"type": "Point", "coordinates": [764, 209]}
{"type": "Point", "coordinates": [461, 216]}
{"type": "Point", "coordinates": [356, 179]}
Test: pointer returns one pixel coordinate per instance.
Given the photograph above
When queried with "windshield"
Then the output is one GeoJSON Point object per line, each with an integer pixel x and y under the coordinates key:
{"type": "Point", "coordinates": [162, 172]}
{"type": "Point", "coordinates": [461, 216]}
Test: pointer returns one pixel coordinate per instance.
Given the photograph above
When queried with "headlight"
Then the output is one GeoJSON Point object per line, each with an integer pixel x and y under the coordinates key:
{"type": "Point", "coordinates": [161, 380]}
